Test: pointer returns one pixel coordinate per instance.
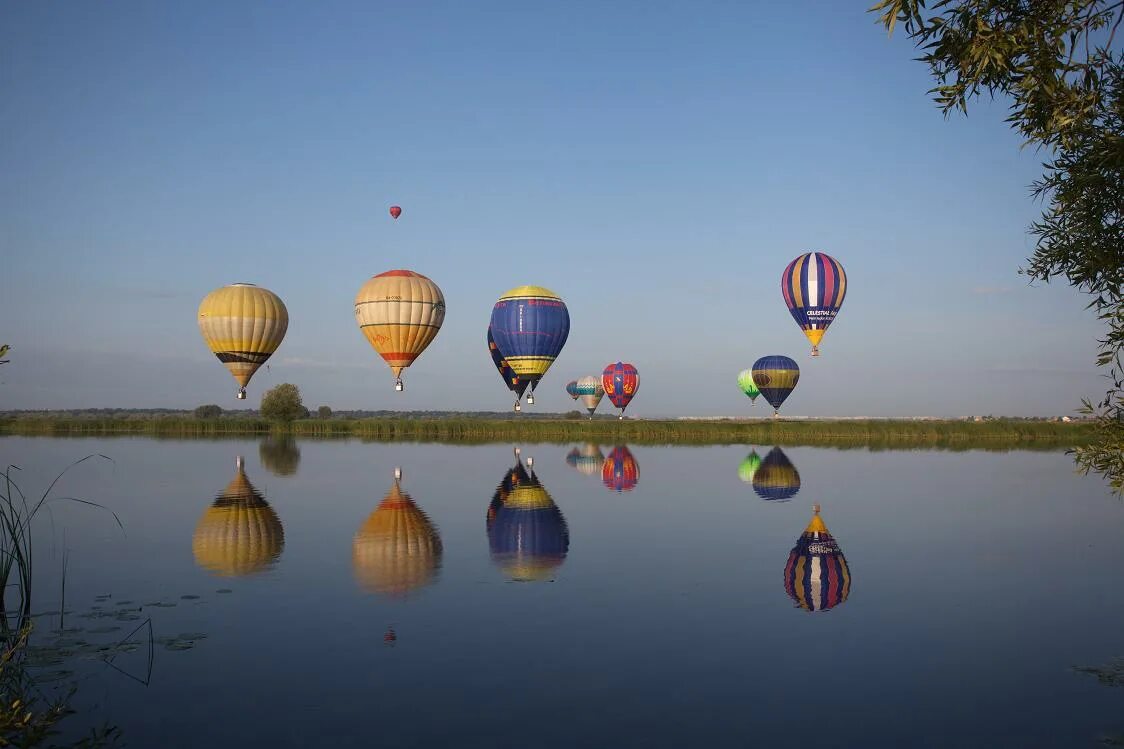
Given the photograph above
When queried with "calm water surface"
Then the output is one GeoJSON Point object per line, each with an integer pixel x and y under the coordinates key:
{"type": "Point", "coordinates": [631, 596]}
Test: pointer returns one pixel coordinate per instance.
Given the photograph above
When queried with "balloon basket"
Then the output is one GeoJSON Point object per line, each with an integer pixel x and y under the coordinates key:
{"type": "Point", "coordinates": [531, 399]}
{"type": "Point", "coordinates": [517, 408]}
{"type": "Point", "coordinates": [398, 386]}
{"type": "Point", "coordinates": [815, 351]}
{"type": "Point", "coordinates": [242, 394]}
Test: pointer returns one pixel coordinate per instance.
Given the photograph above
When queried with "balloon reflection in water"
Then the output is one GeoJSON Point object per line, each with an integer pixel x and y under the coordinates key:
{"type": "Point", "coordinates": [776, 478]}
{"type": "Point", "coordinates": [398, 549]}
{"type": "Point", "coordinates": [279, 455]}
{"type": "Point", "coordinates": [527, 534]}
{"type": "Point", "coordinates": [587, 459]}
{"type": "Point", "coordinates": [620, 471]}
{"type": "Point", "coordinates": [748, 468]}
{"type": "Point", "coordinates": [816, 576]}
{"type": "Point", "coordinates": [240, 533]}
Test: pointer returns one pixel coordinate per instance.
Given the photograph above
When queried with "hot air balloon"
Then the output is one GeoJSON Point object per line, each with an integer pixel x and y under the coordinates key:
{"type": "Point", "coordinates": [776, 478]}
{"type": "Point", "coordinates": [239, 534]}
{"type": "Point", "coordinates": [748, 467]}
{"type": "Point", "coordinates": [243, 325]}
{"type": "Point", "coordinates": [813, 286]}
{"type": "Point", "coordinates": [817, 577]}
{"type": "Point", "coordinates": [572, 389]}
{"type": "Point", "coordinates": [591, 392]}
{"type": "Point", "coordinates": [398, 549]}
{"type": "Point", "coordinates": [775, 376]}
{"type": "Point", "coordinates": [745, 382]}
{"type": "Point", "coordinates": [399, 312]}
{"type": "Point", "coordinates": [621, 381]}
{"type": "Point", "coordinates": [279, 454]}
{"type": "Point", "coordinates": [587, 459]}
{"type": "Point", "coordinates": [514, 383]}
{"type": "Point", "coordinates": [620, 472]}
{"type": "Point", "coordinates": [527, 534]}
{"type": "Point", "coordinates": [530, 325]}
{"type": "Point", "coordinates": [395, 212]}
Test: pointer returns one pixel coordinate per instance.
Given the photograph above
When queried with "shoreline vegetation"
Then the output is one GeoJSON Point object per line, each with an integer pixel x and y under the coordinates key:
{"type": "Point", "coordinates": [996, 434]}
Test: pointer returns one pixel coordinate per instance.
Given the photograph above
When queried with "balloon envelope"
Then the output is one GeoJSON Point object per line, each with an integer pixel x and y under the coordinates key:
{"type": "Point", "coordinates": [620, 471]}
{"type": "Point", "coordinates": [243, 325]}
{"type": "Point", "coordinates": [572, 389]}
{"type": "Point", "coordinates": [395, 212]}
{"type": "Point", "coordinates": [813, 286]}
{"type": "Point", "coordinates": [400, 313]}
{"type": "Point", "coordinates": [588, 459]}
{"type": "Point", "coordinates": [776, 478]}
{"type": "Point", "coordinates": [817, 577]}
{"type": "Point", "coordinates": [748, 386]}
{"type": "Point", "coordinates": [530, 325]}
{"type": "Point", "coordinates": [776, 377]}
{"type": "Point", "coordinates": [590, 391]}
{"type": "Point", "coordinates": [621, 381]}
{"type": "Point", "coordinates": [748, 467]}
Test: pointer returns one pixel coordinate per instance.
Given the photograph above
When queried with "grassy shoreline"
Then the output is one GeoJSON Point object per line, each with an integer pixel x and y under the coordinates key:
{"type": "Point", "coordinates": [998, 434]}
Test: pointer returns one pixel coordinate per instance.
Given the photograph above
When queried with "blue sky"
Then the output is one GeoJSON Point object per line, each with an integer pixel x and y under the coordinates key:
{"type": "Point", "coordinates": [656, 164]}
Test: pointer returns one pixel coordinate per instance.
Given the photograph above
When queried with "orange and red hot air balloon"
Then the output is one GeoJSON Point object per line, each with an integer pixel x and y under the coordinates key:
{"type": "Point", "coordinates": [395, 212]}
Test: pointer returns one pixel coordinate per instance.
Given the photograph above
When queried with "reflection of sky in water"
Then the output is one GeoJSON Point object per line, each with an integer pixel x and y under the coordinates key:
{"type": "Point", "coordinates": [977, 581]}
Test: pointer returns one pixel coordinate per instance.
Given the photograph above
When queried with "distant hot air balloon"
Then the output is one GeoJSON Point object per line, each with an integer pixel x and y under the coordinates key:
{"type": "Point", "coordinates": [514, 383]}
{"type": "Point", "coordinates": [399, 312]}
{"type": "Point", "coordinates": [748, 467]}
{"type": "Point", "coordinates": [398, 549]}
{"type": "Point", "coordinates": [620, 471]}
{"type": "Point", "coordinates": [395, 212]}
{"type": "Point", "coordinates": [243, 325]}
{"type": "Point", "coordinates": [572, 389]}
{"type": "Point", "coordinates": [745, 382]}
{"type": "Point", "coordinates": [776, 478]}
{"type": "Point", "coordinates": [587, 459]}
{"type": "Point", "coordinates": [239, 534]}
{"type": "Point", "coordinates": [530, 325]}
{"type": "Point", "coordinates": [775, 376]}
{"type": "Point", "coordinates": [817, 577]}
{"type": "Point", "coordinates": [620, 381]}
{"type": "Point", "coordinates": [527, 534]}
{"type": "Point", "coordinates": [813, 286]}
{"type": "Point", "coordinates": [590, 390]}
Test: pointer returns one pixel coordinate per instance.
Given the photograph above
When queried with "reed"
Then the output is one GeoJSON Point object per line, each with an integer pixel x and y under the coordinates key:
{"type": "Point", "coordinates": [874, 433]}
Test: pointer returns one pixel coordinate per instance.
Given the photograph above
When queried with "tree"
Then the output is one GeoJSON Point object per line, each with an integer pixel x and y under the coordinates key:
{"type": "Point", "coordinates": [324, 412]}
{"type": "Point", "coordinates": [210, 411]}
{"type": "Point", "coordinates": [1060, 66]}
{"type": "Point", "coordinates": [283, 403]}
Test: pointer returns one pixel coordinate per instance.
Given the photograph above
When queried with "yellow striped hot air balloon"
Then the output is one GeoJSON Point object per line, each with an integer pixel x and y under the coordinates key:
{"type": "Point", "coordinates": [399, 312]}
{"type": "Point", "coordinates": [240, 533]}
{"type": "Point", "coordinates": [398, 549]}
{"type": "Point", "coordinates": [243, 325]}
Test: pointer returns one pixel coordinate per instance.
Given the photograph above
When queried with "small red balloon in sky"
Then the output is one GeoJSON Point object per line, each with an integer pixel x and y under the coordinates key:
{"type": "Point", "coordinates": [395, 211]}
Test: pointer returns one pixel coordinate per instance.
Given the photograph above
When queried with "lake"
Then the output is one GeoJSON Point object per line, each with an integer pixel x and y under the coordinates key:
{"type": "Point", "coordinates": [607, 595]}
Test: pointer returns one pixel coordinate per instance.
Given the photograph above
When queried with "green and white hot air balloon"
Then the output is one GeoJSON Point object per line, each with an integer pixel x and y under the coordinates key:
{"type": "Point", "coordinates": [748, 386]}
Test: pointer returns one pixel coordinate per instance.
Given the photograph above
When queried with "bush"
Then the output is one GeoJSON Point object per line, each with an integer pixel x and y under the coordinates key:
{"type": "Point", "coordinates": [210, 411]}
{"type": "Point", "coordinates": [324, 412]}
{"type": "Point", "coordinates": [573, 415]}
{"type": "Point", "coordinates": [283, 403]}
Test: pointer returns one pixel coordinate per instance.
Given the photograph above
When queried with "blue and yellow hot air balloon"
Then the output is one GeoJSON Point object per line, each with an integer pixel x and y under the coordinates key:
{"type": "Point", "coordinates": [813, 286]}
{"type": "Point", "coordinates": [817, 577]}
{"type": "Point", "coordinates": [775, 376]}
{"type": "Point", "coordinates": [527, 534]}
{"type": "Point", "coordinates": [530, 325]}
{"type": "Point", "coordinates": [776, 478]}
{"type": "Point", "coordinates": [620, 472]}
{"type": "Point", "coordinates": [514, 383]}
{"type": "Point", "coordinates": [745, 382]}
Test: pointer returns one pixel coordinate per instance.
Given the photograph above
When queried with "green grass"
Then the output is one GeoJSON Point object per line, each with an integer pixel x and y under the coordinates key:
{"type": "Point", "coordinates": [993, 434]}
